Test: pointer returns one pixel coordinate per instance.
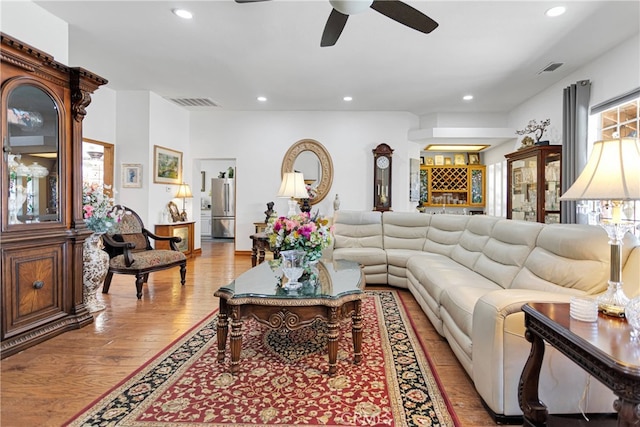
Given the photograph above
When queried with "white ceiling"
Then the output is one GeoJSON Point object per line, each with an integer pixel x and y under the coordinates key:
{"type": "Point", "coordinates": [231, 52]}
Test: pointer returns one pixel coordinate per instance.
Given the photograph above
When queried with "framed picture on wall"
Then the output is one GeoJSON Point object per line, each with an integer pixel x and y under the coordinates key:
{"type": "Point", "coordinates": [167, 165]}
{"type": "Point", "coordinates": [439, 159]}
{"type": "Point", "coordinates": [458, 159]}
{"type": "Point", "coordinates": [131, 175]}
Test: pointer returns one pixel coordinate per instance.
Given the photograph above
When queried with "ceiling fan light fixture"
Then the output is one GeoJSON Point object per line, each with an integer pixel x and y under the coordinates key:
{"type": "Point", "coordinates": [351, 7]}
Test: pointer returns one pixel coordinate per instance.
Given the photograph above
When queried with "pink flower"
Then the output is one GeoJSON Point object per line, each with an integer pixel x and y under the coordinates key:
{"type": "Point", "coordinates": [88, 211]}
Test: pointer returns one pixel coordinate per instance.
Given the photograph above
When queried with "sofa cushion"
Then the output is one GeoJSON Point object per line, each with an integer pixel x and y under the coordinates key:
{"type": "Point", "coordinates": [405, 230]}
{"type": "Point", "coordinates": [473, 239]}
{"type": "Point", "coordinates": [444, 233]}
{"type": "Point", "coordinates": [510, 244]}
{"type": "Point", "coordinates": [437, 273]}
{"type": "Point", "coordinates": [558, 264]}
{"type": "Point", "coordinates": [356, 229]}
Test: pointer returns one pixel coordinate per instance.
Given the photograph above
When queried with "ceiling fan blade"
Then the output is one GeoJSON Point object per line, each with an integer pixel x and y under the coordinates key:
{"type": "Point", "coordinates": [405, 14]}
{"type": "Point", "coordinates": [333, 28]}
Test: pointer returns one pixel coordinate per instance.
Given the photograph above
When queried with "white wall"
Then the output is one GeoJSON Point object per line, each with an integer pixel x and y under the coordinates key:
{"type": "Point", "coordinates": [33, 25]}
{"type": "Point", "coordinates": [100, 121]}
{"type": "Point", "coordinates": [259, 140]}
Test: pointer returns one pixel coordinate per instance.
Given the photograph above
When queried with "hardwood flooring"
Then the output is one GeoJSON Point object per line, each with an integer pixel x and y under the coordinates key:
{"type": "Point", "coordinates": [47, 384]}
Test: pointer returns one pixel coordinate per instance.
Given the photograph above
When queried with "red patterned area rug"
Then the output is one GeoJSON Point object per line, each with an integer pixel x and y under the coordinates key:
{"type": "Point", "coordinates": [283, 381]}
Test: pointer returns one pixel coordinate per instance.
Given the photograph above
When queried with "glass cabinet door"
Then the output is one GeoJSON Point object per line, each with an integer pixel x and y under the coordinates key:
{"type": "Point", "coordinates": [31, 147]}
{"type": "Point", "coordinates": [552, 188]}
{"type": "Point", "coordinates": [524, 189]}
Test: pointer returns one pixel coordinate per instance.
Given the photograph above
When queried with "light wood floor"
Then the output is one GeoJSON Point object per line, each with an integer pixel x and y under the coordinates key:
{"type": "Point", "coordinates": [49, 383]}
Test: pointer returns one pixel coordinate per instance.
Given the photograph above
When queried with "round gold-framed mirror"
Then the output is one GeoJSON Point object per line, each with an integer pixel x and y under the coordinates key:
{"type": "Point", "coordinates": [319, 175]}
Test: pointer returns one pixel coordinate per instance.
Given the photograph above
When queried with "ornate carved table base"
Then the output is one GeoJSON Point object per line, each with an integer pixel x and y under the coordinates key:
{"type": "Point", "coordinates": [292, 317]}
{"type": "Point", "coordinates": [615, 367]}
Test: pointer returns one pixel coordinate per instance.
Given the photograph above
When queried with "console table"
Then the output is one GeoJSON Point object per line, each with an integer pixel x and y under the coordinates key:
{"type": "Point", "coordinates": [177, 229]}
{"type": "Point", "coordinates": [603, 349]}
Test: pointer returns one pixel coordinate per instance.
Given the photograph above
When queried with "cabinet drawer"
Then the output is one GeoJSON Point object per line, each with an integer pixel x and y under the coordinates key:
{"type": "Point", "coordinates": [32, 287]}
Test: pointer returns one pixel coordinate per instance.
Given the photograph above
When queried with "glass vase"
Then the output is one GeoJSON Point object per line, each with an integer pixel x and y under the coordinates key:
{"type": "Point", "coordinates": [632, 314]}
{"type": "Point", "coordinates": [292, 267]}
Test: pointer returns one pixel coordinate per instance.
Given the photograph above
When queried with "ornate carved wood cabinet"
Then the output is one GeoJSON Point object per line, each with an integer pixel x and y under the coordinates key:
{"type": "Point", "coordinates": [533, 184]}
{"type": "Point", "coordinates": [41, 229]}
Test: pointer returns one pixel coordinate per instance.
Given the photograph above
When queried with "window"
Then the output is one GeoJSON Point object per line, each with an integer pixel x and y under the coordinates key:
{"type": "Point", "coordinates": [619, 118]}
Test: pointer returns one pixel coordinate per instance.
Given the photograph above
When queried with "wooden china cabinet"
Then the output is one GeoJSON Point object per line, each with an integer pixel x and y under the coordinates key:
{"type": "Point", "coordinates": [42, 230]}
{"type": "Point", "coordinates": [534, 184]}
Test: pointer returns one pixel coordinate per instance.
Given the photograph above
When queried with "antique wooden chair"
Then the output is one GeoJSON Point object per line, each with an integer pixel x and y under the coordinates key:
{"type": "Point", "coordinates": [130, 252]}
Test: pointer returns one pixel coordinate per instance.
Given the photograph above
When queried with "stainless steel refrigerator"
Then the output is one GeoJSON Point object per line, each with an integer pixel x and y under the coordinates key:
{"type": "Point", "coordinates": [223, 208]}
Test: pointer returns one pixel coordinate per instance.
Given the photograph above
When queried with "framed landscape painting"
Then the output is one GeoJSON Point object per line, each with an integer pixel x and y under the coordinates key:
{"type": "Point", "coordinates": [167, 165]}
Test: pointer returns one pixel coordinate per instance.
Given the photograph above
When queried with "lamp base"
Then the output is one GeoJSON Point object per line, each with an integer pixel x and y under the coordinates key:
{"type": "Point", "coordinates": [293, 205]}
{"type": "Point", "coordinates": [613, 301]}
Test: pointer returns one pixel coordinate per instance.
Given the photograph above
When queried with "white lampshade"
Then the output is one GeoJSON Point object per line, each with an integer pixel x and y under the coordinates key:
{"type": "Point", "coordinates": [350, 7]}
{"type": "Point", "coordinates": [184, 191]}
{"type": "Point", "coordinates": [612, 172]}
{"type": "Point", "coordinates": [293, 186]}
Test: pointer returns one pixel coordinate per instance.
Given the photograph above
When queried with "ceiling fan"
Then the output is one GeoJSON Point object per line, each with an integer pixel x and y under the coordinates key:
{"type": "Point", "coordinates": [394, 9]}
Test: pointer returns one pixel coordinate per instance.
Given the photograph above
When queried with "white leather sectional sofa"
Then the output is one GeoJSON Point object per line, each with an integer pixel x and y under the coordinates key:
{"type": "Point", "coordinates": [472, 274]}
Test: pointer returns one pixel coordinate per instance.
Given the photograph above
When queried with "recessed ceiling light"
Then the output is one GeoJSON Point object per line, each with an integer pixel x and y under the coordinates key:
{"type": "Point", "coordinates": [556, 11]}
{"type": "Point", "coordinates": [262, 98]}
{"type": "Point", "coordinates": [467, 97]}
{"type": "Point", "coordinates": [182, 13]}
{"type": "Point", "coordinates": [347, 98]}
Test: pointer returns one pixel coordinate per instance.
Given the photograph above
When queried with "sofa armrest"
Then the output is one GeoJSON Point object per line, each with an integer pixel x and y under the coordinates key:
{"type": "Point", "coordinates": [499, 347]}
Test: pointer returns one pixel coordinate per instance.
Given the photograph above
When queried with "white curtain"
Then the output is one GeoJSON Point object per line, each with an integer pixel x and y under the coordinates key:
{"type": "Point", "coordinates": [574, 140]}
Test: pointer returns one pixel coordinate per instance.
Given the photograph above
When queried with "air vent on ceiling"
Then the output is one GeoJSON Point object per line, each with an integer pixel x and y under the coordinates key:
{"type": "Point", "coordinates": [551, 67]}
{"type": "Point", "coordinates": [194, 102]}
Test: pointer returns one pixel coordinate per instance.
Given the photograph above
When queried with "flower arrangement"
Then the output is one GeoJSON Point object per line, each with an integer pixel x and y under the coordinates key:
{"type": "Point", "coordinates": [306, 232]}
{"type": "Point", "coordinates": [98, 208]}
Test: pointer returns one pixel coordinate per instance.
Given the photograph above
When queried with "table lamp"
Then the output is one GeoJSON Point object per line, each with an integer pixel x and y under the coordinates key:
{"type": "Point", "coordinates": [611, 176]}
{"type": "Point", "coordinates": [184, 193]}
{"type": "Point", "coordinates": [293, 187]}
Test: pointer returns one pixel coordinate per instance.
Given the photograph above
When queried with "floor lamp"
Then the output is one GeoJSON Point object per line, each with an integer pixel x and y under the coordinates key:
{"type": "Point", "coordinates": [612, 177]}
{"type": "Point", "coordinates": [293, 187]}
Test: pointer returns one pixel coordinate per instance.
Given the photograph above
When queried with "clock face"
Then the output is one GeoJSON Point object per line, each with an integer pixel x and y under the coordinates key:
{"type": "Point", "coordinates": [382, 162]}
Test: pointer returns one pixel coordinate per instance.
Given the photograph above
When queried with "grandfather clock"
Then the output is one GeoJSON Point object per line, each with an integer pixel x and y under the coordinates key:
{"type": "Point", "coordinates": [382, 177]}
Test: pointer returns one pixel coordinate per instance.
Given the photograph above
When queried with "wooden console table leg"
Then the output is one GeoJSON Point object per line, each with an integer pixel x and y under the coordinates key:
{"type": "Point", "coordinates": [223, 326]}
{"type": "Point", "coordinates": [235, 342]}
{"type": "Point", "coordinates": [356, 331]}
{"type": "Point", "coordinates": [254, 254]}
{"type": "Point", "coordinates": [534, 411]}
{"type": "Point", "coordinates": [333, 335]}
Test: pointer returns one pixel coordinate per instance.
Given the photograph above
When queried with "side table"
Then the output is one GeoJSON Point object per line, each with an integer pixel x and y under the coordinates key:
{"type": "Point", "coordinates": [603, 349]}
{"type": "Point", "coordinates": [259, 245]}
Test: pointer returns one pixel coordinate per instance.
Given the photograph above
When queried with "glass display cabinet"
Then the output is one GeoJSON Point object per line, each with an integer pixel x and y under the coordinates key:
{"type": "Point", "coordinates": [533, 183]}
{"type": "Point", "coordinates": [42, 230]}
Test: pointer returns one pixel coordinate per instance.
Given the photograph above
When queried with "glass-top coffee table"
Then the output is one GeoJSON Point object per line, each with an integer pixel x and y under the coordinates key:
{"type": "Point", "coordinates": [333, 293]}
